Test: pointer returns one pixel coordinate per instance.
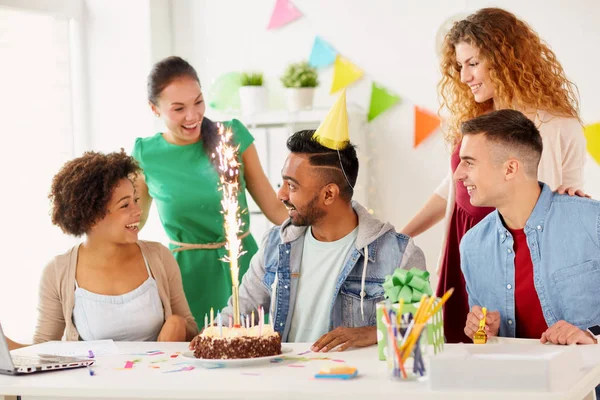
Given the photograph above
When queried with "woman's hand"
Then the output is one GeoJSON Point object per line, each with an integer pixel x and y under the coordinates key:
{"type": "Point", "coordinates": [173, 330]}
{"type": "Point", "coordinates": [572, 191]}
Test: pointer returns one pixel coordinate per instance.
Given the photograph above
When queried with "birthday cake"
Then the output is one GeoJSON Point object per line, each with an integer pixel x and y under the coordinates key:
{"type": "Point", "coordinates": [229, 343]}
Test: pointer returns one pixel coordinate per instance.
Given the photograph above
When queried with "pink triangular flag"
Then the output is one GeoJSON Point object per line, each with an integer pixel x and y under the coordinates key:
{"type": "Point", "coordinates": [284, 13]}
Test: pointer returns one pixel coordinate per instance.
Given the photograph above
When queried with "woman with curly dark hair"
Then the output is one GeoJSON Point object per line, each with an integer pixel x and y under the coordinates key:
{"type": "Point", "coordinates": [492, 60]}
{"type": "Point", "coordinates": [111, 286]}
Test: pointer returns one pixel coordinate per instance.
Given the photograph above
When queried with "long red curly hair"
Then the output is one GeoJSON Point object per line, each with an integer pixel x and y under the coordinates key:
{"type": "Point", "coordinates": [523, 69]}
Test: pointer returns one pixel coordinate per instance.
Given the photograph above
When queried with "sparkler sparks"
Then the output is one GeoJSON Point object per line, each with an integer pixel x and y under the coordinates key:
{"type": "Point", "coordinates": [229, 172]}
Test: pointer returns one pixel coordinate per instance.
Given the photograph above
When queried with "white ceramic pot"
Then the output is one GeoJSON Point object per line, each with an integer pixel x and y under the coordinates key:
{"type": "Point", "coordinates": [299, 98]}
{"type": "Point", "coordinates": [253, 99]}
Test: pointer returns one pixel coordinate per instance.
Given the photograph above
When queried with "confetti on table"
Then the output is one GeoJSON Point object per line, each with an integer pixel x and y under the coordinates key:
{"type": "Point", "coordinates": [188, 368]}
{"type": "Point", "coordinates": [295, 366]}
{"type": "Point", "coordinates": [339, 361]}
{"type": "Point", "coordinates": [276, 360]}
{"type": "Point", "coordinates": [305, 359]}
{"type": "Point", "coordinates": [128, 364]}
{"type": "Point", "coordinates": [304, 352]}
{"type": "Point", "coordinates": [155, 353]}
{"type": "Point", "coordinates": [154, 366]}
{"type": "Point", "coordinates": [159, 361]}
{"type": "Point", "coordinates": [175, 355]}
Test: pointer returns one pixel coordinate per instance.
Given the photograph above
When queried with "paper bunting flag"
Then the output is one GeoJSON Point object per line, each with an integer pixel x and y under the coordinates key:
{"type": "Point", "coordinates": [381, 100]}
{"type": "Point", "coordinates": [425, 124]}
{"type": "Point", "coordinates": [224, 92]}
{"type": "Point", "coordinates": [322, 54]}
{"type": "Point", "coordinates": [344, 73]}
{"type": "Point", "coordinates": [592, 134]}
{"type": "Point", "coordinates": [333, 131]}
{"type": "Point", "coordinates": [284, 13]}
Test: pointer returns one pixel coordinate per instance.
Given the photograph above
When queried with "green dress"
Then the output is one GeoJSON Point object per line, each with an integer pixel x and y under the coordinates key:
{"type": "Point", "coordinates": [184, 185]}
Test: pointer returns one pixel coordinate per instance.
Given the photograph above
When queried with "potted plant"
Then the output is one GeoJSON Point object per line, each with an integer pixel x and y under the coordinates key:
{"type": "Point", "coordinates": [300, 81]}
{"type": "Point", "coordinates": [253, 95]}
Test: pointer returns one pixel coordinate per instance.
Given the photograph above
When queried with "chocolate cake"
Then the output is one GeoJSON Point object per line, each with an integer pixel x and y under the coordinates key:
{"type": "Point", "coordinates": [230, 343]}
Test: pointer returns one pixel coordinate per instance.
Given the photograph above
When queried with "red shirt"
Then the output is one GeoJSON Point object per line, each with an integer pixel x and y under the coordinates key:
{"type": "Point", "coordinates": [528, 310]}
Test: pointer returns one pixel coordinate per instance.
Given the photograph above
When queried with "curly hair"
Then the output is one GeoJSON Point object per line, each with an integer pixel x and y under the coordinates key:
{"type": "Point", "coordinates": [82, 189]}
{"type": "Point", "coordinates": [523, 69]}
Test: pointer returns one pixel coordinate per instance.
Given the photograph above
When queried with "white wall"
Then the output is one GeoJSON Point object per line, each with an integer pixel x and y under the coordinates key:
{"type": "Point", "coordinates": [394, 42]}
{"type": "Point", "coordinates": [123, 40]}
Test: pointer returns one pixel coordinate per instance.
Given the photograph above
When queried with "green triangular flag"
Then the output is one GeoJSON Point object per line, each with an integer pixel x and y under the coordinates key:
{"type": "Point", "coordinates": [381, 100]}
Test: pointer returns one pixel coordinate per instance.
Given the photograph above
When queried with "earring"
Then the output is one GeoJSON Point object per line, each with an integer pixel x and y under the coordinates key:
{"type": "Point", "coordinates": [157, 114]}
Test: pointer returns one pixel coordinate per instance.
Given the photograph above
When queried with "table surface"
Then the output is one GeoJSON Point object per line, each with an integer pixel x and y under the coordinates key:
{"type": "Point", "coordinates": [290, 378]}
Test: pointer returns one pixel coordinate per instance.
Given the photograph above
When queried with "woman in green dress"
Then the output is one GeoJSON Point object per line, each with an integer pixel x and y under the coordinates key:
{"type": "Point", "coordinates": [182, 180]}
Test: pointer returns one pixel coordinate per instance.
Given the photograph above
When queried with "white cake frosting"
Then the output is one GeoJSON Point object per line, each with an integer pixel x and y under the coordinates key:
{"type": "Point", "coordinates": [226, 332]}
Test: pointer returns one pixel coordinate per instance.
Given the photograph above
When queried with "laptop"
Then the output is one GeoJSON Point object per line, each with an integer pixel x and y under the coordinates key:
{"type": "Point", "coordinates": [17, 365]}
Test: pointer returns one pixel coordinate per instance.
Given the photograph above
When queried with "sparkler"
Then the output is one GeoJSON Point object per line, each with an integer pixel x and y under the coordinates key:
{"type": "Point", "coordinates": [229, 171]}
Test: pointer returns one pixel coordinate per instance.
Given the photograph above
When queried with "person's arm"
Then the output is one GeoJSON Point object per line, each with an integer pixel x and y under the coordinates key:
{"type": "Point", "coordinates": [14, 345]}
{"type": "Point", "coordinates": [182, 316]}
{"type": "Point", "coordinates": [260, 188]}
{"type": "Point", "coordinates": [572, 145]}
{"type": "Point", "coordinates": [413, 257]}
{"type": "Point", "coordinates": [432, 212]}
{"type": "Point", "coordinates": [51, 320]}
{"type": "Point", "coordinates": [145, 201]}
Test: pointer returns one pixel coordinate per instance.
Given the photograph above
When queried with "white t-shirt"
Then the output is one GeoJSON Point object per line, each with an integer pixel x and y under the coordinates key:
{"type": "Point", "coordinates": [320, 267]}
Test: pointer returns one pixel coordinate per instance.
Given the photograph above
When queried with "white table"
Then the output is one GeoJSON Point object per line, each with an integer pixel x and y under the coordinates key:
{"type": "Point", "coordinates": [290, 379]}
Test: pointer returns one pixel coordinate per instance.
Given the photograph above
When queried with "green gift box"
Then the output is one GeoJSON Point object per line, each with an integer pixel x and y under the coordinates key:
{"type": "Point", "coordinates": [409, 285]}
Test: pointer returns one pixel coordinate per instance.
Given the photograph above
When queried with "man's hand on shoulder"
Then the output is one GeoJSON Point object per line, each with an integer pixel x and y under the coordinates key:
{"type": "Point", "coordinates": [564, 333]}
{"type": "Point", "coordinates": [346, 338]}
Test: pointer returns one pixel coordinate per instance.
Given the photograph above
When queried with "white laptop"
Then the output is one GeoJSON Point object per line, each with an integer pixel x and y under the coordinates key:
{"type": "Point", "coordinates": [16, 365]}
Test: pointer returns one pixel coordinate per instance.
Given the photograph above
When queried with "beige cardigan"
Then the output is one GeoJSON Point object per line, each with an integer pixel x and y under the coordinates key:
{"type": "Point", "coordinates": [562, 162]}
{"type": "Point", "coordinates": [57, 293]}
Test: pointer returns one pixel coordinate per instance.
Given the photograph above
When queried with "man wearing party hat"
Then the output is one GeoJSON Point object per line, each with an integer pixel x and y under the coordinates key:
{"type": "Point", "coordinates": [320, 273]}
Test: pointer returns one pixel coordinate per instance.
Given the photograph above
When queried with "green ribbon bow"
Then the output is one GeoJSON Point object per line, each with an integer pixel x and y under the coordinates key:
{"type": "Point", "coordinates": [409, 285]}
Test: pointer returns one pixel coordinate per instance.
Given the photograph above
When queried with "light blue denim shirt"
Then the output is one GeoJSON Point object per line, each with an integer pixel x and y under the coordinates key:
{"type": "Point", "coordinates": [563, 236]}
{"type": "Point", "coordinates": [272, 279]}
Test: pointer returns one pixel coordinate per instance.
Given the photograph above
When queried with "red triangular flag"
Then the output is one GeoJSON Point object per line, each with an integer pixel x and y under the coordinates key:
{"type": "Point", "coordinates": [284, 13]}
{"type": "Point", "coordinates": [425, 124]}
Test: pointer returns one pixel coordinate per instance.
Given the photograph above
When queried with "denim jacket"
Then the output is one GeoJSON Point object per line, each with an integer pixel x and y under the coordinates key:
{"type": "Point", "coordinates": [563, 236]}
{"type": "Point", "coordinates": [272, 279]}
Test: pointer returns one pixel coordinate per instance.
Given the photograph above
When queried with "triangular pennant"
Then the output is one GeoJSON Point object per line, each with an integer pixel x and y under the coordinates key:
{"type": "Point", "coordinates": [333, 131]}
{"type": "Point", "coordinates": [283, 13]}
{"type": "Point", "coordinates": [344, 73]}
{"type": "Point", "coordinates": [381, 100]}
{"type": "Point", "coordinates": [592, 134]}
{"type": "Point", "coordinates": [322, 54]}
{"type": "Point", "coordinates": [425, 124]}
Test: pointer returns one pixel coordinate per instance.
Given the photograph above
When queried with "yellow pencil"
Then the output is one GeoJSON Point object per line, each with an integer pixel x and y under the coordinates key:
{"type": "Point", "coordinates": [444, 298]}
{"type": "Point", "coordinates": [399, 315]}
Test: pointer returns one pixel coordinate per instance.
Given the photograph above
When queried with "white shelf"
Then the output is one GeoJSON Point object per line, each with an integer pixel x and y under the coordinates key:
{"type": "Point", "coordinates": [284, 117]}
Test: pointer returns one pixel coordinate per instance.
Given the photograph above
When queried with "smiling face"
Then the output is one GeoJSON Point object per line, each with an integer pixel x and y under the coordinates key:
{"type": "Point", "coordinates": [120, 225]}
{"type": "Point", "coordinates": [301, 191]}
{"type": "Point", "coordinates": [474, 72]}
{"type": "Point", "coordinates": [182, 108]}
{"type": "Point", "coordinates": [483, 177]}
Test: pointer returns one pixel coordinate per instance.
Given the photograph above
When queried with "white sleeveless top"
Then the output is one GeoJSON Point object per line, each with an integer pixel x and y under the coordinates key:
{"type": "Point", "coordinates": [136, 316]}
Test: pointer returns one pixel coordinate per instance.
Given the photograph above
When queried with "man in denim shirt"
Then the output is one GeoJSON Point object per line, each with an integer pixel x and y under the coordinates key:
{"type": "Point", "coordinates": [321, 273]}
{"type": "Point", "coordinates": [535, 261]}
